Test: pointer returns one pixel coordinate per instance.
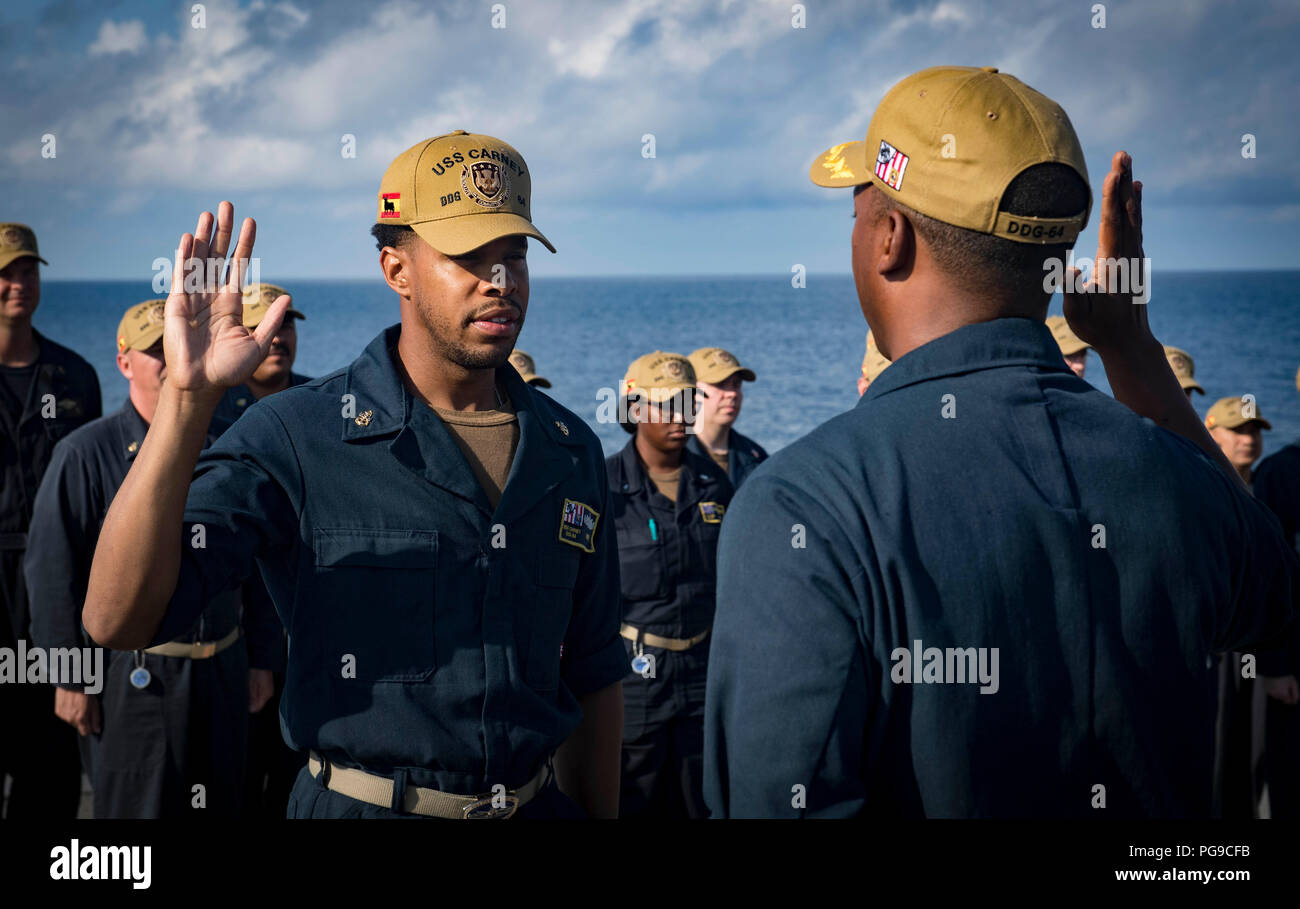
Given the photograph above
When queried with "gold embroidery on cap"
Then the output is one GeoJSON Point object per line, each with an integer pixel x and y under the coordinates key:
{"type": "Point", "coordinates": [836, 164]}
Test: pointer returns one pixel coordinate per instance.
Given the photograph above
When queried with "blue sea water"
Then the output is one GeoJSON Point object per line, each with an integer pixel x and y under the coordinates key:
{"type": "Point", "coordinates": [1242, 329]}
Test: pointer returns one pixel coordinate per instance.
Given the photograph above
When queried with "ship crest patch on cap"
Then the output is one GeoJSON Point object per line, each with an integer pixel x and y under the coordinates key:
{"type": "Point", "coordinates": [12, 237]}
{"type": "Point", "coordinates": [673, 368]}
{"type": "Point", "coordinates": [891, 164]}
{"type": "Point", "coordinates": [491, 184]}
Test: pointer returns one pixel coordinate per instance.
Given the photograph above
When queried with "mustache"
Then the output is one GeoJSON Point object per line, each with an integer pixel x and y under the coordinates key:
{"type": "Point", "coordinates": [504, 303]}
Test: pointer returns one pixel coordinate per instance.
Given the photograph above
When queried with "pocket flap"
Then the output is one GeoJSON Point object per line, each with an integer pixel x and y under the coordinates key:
{"type": "Point", "coordinates": [338, 547]}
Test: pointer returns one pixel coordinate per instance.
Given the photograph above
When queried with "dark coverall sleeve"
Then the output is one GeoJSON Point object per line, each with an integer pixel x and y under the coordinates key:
{"type": "Point", "coordinates": [262, 626]}
{"type": "Point", "coordinates": [594, 657]}
{"type": "Point", "coordinates": [788, 697]}
{"type": "Point", "coordinates": [95, 399]}
{"type": "Point", "coordinates": [242, 502]}
{"type": "Point", "coordinates": [60, 546]}
{"type": "Point", "coordinates": [1280, 492]}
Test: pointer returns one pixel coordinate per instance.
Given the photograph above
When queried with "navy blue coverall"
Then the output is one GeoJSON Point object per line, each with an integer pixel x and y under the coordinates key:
{"type": "Point", "coordinates": [667, 565]}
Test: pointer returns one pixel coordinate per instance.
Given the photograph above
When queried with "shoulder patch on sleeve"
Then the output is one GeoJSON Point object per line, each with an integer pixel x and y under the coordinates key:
{"type": "Point", "coordinates": [578, 525]}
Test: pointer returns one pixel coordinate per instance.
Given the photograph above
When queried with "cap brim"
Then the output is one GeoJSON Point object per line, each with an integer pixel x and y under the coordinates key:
{"type": "Point", "coordinates": [457, 236]}
{"type": "Point", "coordinates": [536, 380]}
{"type": "Point", "coordinates": [291, 314]}
{"type": "Point", "coordinates": [842, 165]}
{"type": "Point", "coordinates": [146, 340]}
{"type": "Point", "coordinates": [666, 393]}
{"type": "Point", "coordinates": [745, 373]}
{"type": "Point", "coordinates": [13, 257]}
{"type": "Point", "coordinates": [1190, 383]}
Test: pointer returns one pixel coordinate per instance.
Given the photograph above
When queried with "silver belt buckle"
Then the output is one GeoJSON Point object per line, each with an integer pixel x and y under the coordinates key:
{"type": "Point", "coordinates": [482, 809]}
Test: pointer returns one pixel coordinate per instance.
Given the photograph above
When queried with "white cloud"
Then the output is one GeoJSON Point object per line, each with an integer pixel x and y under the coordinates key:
{"type": "Point", "coordinates": [125, 38]}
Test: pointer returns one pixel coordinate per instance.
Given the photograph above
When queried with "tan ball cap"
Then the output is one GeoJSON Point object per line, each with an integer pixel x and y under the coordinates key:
{"type": "Point", "coordinates": [1232, 413]}
{"type": "Point", "coordinates": [16, 241]}
{"type": "Point", "coordinates": [1180, 361]}
{"type": "Point", "coordinates": [873, 361]}
{"type": "Point", "coordinates": [1066, 339]}
{"type": "Point", "coordinates": [947, 141]}
{"type": "Point", "coordinates": [257, 301]}
{"type": "Point", "coordinates": [714, 365]}
{"type": "Point", "coordinates": [458, 192]}
{"type": "Point", "coordinates": [527, 369]}
{"type": "Point", "coordinates": [142, 326]}
{"type": "Point", "coordinates": [660, 375]}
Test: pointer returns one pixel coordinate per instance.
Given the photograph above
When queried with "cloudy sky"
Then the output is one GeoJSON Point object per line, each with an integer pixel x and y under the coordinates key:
{"type": "Point", "coordinates": [154, 120]}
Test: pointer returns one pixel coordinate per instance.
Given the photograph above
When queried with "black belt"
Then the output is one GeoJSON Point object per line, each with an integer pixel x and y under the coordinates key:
{"type": "Point", "coordinates": [13, 541]}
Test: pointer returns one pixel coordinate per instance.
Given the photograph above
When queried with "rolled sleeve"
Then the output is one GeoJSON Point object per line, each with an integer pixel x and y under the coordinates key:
{"type": "Point", "coordinates": [594, 657]}
{"type": "Point", "coordinates": [787, 697]}
{"type": "Point", "coordinates": [242, 502]}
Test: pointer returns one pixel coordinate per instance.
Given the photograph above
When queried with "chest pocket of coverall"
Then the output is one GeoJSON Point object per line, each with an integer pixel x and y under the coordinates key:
{"type": "Point", "coordinates": [641, 561]}
{"type": "Point", "coordinates": [701, 562]}
{"type": "Point", "coordinates": [374, 600]}
{"type": "Point", "coordinates": [548, 618]}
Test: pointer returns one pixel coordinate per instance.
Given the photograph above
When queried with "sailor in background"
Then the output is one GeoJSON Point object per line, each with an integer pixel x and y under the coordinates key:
{"type": "Point", "coordinates": [720, 378]}
{"type": "Point", "coordinates": [272, 765]}
{"type": "Point", "coordinates": [527, 369]}
{"type": "Point", "coordinates": [164, 736]}
{"type": "Point", "coordinates": [668, 505]}
{"type": "Point", "coordinates": [46, 391]}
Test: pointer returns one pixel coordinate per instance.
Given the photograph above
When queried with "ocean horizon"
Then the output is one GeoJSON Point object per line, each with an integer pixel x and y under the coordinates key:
{"type": "Point", "coordinates": [1242, 328]}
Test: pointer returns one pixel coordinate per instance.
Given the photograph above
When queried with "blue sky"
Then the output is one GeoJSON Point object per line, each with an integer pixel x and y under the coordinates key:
{"type": "Point", "coordinates": [155, 120]}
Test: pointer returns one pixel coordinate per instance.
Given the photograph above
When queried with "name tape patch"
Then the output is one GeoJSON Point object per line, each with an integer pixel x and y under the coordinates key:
{"type": "Point", "coordinates": [578, 525]}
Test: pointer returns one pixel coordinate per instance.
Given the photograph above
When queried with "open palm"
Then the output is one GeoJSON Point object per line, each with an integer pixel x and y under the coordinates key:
{"type": "Point", "coordinates": [1102, 315]}
{"type": "Point", "coordinates": [205, 342]}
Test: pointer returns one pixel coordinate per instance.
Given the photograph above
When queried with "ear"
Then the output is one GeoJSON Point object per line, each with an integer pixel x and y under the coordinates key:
{"type": "Point", "coordinates": [124, 364]}
{"type": "Point", "coordinates": [397, 266]}
{"type": "Point", "coordinates": [896, 246]}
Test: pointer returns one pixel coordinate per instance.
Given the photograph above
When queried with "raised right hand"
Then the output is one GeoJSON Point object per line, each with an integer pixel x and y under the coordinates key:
{"type": "Point", "coordinates": [206, 345]}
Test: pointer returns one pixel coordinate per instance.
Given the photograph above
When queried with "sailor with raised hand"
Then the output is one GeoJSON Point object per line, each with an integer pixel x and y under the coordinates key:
{"type": "Point", "coordinates": [989, 589]}
{"type": "Point", "coordinates": [452, 617]}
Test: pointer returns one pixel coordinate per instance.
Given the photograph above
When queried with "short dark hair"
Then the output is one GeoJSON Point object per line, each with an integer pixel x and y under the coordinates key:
{"type": "Point", "coordinates": [394, 235]}
{"type": "Point", "coordinates": [1011, 270]}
